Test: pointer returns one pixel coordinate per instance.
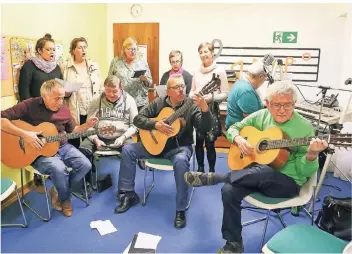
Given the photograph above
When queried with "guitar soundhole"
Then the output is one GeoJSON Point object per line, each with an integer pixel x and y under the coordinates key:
{"type": "Point", "coordinates": [263, 145]}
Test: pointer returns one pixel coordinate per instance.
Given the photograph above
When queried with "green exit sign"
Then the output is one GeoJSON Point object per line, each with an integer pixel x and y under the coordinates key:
{"type": "Point", "coordinates": [285, 37]}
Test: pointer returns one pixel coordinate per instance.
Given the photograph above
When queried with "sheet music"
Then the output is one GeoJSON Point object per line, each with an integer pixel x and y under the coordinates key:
{"type": "Point", "coordinates": [69, 86]}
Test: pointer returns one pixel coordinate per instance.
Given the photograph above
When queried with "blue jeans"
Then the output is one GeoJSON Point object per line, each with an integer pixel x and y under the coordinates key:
{"type": "Point", "coordinates": [239, 184]}
{"type": "Point", "coordinates": [180, 158]}
{"type": "Point", "coordinates": [56, 166]}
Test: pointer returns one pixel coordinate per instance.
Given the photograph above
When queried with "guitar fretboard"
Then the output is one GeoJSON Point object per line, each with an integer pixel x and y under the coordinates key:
{"type": "Point", "coordinates": [65, 136]}
{"type": "Point", "coordinates": [181, 111]}
{"type": "Point", "coordinates": [282, 143]}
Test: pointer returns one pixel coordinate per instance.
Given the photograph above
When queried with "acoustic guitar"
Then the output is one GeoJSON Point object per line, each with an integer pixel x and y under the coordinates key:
{"type": "Point", "coordinates": [154, 141]}
{"type": "Point", "coordinates": [15, 153]}
{"type": "Point", "coordinates": [270, 147]}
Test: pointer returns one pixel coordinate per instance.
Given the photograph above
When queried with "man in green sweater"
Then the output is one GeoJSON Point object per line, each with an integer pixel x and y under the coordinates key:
{"type": "Point", "coordinates": [284, 183]}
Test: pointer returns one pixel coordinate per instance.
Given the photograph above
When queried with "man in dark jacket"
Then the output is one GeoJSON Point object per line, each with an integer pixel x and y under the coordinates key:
{"type": "Point", "coordinates": [178, 149]}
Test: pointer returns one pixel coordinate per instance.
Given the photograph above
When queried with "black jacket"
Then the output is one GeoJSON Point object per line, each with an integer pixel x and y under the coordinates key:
{"type": "Point", "coordinates": [32, 78]}
{"type": "Point", "coordinates": [193, 116]}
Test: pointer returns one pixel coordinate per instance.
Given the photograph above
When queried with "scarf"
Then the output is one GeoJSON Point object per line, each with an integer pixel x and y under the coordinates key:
{"type": "Point", "coordinates": [43, 65]}
{"type": "Point", "coordinates": [172, 72]}
{"type": "Point", "coordinates": [205, 70]}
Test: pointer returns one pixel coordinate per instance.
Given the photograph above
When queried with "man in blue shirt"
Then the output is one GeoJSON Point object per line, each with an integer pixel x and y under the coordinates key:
{"type": "Point", "coordinates": [243, 98]}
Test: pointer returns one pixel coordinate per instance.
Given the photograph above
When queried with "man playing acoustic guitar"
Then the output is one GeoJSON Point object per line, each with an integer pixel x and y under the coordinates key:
{"type": "Point", "coordinates": [49, 108]}
{"type": "Point", "coordinates": [302, 162]}
{"type": "Point", "coordinates": [178, 149]}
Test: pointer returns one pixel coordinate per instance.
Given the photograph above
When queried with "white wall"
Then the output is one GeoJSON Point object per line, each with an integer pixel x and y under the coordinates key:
{"type": "Point", "coordinates": [185, 26]}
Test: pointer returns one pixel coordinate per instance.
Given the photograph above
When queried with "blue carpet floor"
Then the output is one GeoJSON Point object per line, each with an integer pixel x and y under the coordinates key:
{"type": "Point", "coordinates": [201, 235]}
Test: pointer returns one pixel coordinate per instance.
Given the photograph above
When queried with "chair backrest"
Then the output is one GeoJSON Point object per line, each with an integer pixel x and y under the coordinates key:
{"type": "Point", "coordinates": [348, 248]}
{"type": "Point", "coordinates": [308, 188]}
{"type": "Point", "coordinates": [7, 187]}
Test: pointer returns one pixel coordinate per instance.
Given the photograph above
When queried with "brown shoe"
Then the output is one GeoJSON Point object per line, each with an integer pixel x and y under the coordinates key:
{"type": "Point", "coordinates": [55, 202]}
{"type": "Point", "coordinates": [67, 208]}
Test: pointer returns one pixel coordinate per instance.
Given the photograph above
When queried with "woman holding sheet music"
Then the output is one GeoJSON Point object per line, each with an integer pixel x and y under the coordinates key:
{"type": "Point", "coordinates": [79, 69]}
{"type": "Point", "coordinates": [133, 72]}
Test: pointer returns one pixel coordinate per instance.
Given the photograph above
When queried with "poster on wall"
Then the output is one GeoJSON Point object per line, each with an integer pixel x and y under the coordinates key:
{"type": "Point", "coordinates": [3, 74]}
{"type": "Point", "coordinates": [142, 52]}
{"type": "Point", "coordinates": [22, 49]}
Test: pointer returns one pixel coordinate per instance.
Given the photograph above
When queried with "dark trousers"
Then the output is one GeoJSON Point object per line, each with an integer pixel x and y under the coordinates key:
{"type": "Point", "coordinates": [211, 153]}
{"type": "Point", "coordinates": [240, 184]}
{"type": "Point", "coordinates": [77, 141]}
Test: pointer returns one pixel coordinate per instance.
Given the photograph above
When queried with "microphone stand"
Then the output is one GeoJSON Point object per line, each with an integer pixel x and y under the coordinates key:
{"type": "Point", "coordinates": [329, 151]}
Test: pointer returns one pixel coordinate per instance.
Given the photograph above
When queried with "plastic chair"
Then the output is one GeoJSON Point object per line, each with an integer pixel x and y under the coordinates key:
{"type": "Point", "coordinates": [44, 178]}
{"type": "Point", "coordinates": [160, 164]}
{"type": "Point", "coordinates": [7, 187]}
{"type": "Point", "coordinates": [303, 238]}
{"type": "Point", "coordinates": [275, 205]}
{"type": "Point", "coordinates": [96, 157]}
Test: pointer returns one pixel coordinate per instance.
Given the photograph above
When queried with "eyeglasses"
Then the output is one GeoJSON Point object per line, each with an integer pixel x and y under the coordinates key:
{"type": "Point", "coordinates": [176, 62]}
{"type": "Point", "coordinates": [178, 87]}
{"type": "Point", "coordinates": [277, 106]}
{"type": "Point", "coordinates": [132, 49]}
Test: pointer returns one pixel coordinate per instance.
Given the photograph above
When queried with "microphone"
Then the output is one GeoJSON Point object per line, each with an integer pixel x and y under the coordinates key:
{"type": "Point", "coordinates": [348, 81]}
{"type": "Point", "coordinates": [267, 61]}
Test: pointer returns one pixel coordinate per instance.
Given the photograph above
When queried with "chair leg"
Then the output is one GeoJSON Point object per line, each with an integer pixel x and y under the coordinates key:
{"type": "Point", "coordinates": [145, 191]}
{"type": "Point", "coordinates": [265, 228]}
{"type": "Point", "coordinates": [190, 199]}
{"type": "Point", "coordinates": [281, 219]}
{"type": "Point", "coordinates": [85, 192]}
{"type": "Point", "coordinates": [253, 221]}
{"type": "Point", "coordinates": [46, 196]}
{"type": "Point", "coordinates": [24, 225]}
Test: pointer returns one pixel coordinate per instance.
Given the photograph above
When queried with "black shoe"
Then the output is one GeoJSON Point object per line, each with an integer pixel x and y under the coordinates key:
{"type": "Point", "coordinates": [231, 247]}
{"type": "Point", "coordinates": [180, 219]}
{"type": "Point", "coordinates": [127, 202]}
{"type": "Point", "coordinates": [200, 169]}
{"type": "Point", "coordinates": [212, 170]}
{"type": "Point", "coordinates": [120, 195]}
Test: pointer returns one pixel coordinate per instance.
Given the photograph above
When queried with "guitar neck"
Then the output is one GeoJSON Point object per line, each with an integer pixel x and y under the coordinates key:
{"type": "Point", "coordinates": [66, 136]}
{"type": "Point", "coordinates": [181, 110]}
{"type": "Point", "coordinates": [284, 143]}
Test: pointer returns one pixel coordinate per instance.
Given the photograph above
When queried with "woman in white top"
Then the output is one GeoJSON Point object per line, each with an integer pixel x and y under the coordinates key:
{"type": "Point", "coordinates": [79, 69]}
{"type": "Point", "coordinates": [200, 78]}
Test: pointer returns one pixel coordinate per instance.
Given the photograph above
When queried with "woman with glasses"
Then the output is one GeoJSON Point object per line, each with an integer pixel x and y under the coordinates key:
{"type": "Point", "coordinates": [79, 69]}
{"type": "Point", "coordinates": [125, 66]}
{"type": "Point", "coordinates": [34, 73]}
{"type": "Point", "coordinates": [176, 61]}
{"type": "Point", "coordinates": [200, 79]}
{"type": "Point", "coordinates": [38, 69]}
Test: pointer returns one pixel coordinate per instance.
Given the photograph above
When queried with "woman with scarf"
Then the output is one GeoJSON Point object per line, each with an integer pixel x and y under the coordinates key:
{"type": "Point", "coordinates": [38, 69]}
{"type": "Point", "coordinates": [35, 72]}
{"type": "Point", "coordinates": [176, 62]}
{"type": "Point", "coordinates": [200, 78]}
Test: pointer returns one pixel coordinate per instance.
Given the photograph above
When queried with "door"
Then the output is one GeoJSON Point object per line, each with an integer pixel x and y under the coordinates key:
{"type": "Point", "coordinates": [145, 34]}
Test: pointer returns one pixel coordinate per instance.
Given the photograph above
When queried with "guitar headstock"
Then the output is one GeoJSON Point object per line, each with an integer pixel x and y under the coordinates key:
{"type": "Point", "coordinates": [342, 140]}
{"type": "Point", "coordinates": [212, 85]}
{"type": "Point", "coordinates": [107, 130]}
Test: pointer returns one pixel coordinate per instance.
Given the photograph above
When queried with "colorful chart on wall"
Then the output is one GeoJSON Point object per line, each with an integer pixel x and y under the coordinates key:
{"type": "Point", "coordinates": [21, 49]}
